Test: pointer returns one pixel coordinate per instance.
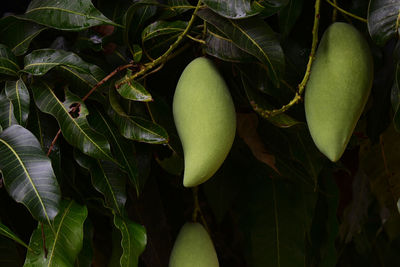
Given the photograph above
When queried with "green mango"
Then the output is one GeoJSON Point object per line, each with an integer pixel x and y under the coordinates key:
{"type": "Point", "coordinates": [338, 88]}
{"type": "Point", "coordinates": [205, 119]}
{"type": "Point", "coordinates": [193, 248]}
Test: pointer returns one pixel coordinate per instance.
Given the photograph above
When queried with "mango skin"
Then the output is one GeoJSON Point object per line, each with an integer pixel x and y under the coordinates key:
{"type": "Point", "coordinates": [338, 88]}
{"type": "Point", "coordinates": [205, 119]}
{"type": "Point", "coordinates": [193, 248]}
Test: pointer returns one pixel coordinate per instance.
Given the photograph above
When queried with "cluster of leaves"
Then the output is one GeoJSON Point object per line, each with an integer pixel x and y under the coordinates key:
{"type": "Point", "coordinates": [91, 163]}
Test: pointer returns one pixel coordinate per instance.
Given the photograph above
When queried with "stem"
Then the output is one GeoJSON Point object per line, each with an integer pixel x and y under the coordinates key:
{"type": "Point", "coordinates": [346, 12]}
{"type": "Point", "coordinates": [196, 39]}
{"type": "Point", "coordinates": [334, 12]}
{"type": "Point", "coordinates": [196, 209]}
{"type": "Point", "coordinates": [44, 241]}
{"type": "Point", "coordinates": [270, 113]}
{"type": "Point", "coordinates": [105, 79]}
{"type": "Point", "coordinates": [164, 57]}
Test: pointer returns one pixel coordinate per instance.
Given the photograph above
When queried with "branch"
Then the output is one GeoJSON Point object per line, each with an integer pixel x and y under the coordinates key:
{"type": "Point", "coordinates": [270, 113]}
{"type": "Point", "coordinates": [163, 57]}
{"type": "Point", "coordinates": [346, 12]}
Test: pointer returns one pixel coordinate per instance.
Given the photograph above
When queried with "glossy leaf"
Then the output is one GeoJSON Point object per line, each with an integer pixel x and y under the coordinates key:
{"type": "Point", "coordinates": [259, 103]}
{"type": "Point", "coordinates": [133, 241]}
{"type": "Point", "coordinates": [64, 243]}
{"type": "Point", "coordinates": [223, 48]}
{"type": "Point", "coordinates": [124, 150]}
{"type": "Point", "coordinates": [135, 128]}
{"type": "Point", "coordinates": [5, 231]}
{"type": "Point", "coordinates": [76, 130]}
{"type": "Point", "coordinates": [28, 174]}
{"type": "Point", "coordinates": [159, 28]}
{"type": "Point", "coordinates": [18, 94]}
{"type": "Point", "coordinates": [107, 179]}
{"type": "Point", "coordinates": [253, 36]}
{"type": "Point", "coordinates": [289, 15]}
{"type": "Point", "coordinates": [17, 34]}
{"type": "Point", "coordinates": [8, 62]}
{"type": "Point", "coordinates": [234, 9]}
{"type": "Point", "coordinates": [7, 117]}
{"type": "Point", "coordinates": [133, 90]}
{"type": "Point", "coordinates": [39, 62]}
{"type": "Point", "coordinates": [139, 129]}
{"type": "Point", "coordinates": [383, 20]}
{"type": "Point", "coordinates": [65, 15]}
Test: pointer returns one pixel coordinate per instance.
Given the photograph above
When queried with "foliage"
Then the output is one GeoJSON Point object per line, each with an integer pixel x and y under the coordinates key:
{"type": "Point", "coordinates": [91, 164]}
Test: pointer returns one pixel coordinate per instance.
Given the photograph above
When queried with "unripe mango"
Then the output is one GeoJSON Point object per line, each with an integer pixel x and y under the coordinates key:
{"type": "Point", "coordinates": [338, 88]}
{"type": "Point", "coordinates": [205, 119]}
{"type": "Point", "coordinates": [193, 248]}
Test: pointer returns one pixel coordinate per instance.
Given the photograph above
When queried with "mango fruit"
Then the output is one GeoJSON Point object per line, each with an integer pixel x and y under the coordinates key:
{"type": "Point", "coordinates": [193, 248]}
{"type": "Point", "coordinates": [205, 119]}
{"type": "Point", "coordinates": [338, 88]}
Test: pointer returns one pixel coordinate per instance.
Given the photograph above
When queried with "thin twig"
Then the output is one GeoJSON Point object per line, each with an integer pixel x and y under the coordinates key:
{"type": "Point", "coordinates": [105, 79]}
{"type": "Point", "coordinates": [270, 113]}
{"type": "Point", "coordinates": [196, 208]}
{"type": "Point", "coordinates": [44, 241]}
{"type": "Point", "coordinates": [334, 12]}
{"type": "Point", "coordinates": [164, 57]}
{"type": "Point", "coordinates": [196, 39]}
{"type": "Point", "coordinates": [346, 12]}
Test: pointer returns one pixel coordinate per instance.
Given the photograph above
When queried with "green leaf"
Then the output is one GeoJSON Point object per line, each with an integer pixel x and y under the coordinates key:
{"type": "Point", "coordinates": [223, 48]}
{"type": "Point", "coordinates": [8, 62]}
{"type": "Point", "coordinates": [18, 34]}
{"type": "Point", "coordinates": [18, 94]}
{"type": "Point", "coordinates": [139, 129]}
{"type": "Point", "coordinates": [234, 9]}
{"type": "Point", "coordinates": [289, 15]}
{"type": "Point", "coordinates": [383, 20]}
{"type": "Point", "coordinates": [159, 28]}
{"type": "Point", "coordinates": [135, 128]}
{"type": "Point", "coordinates": [39, 62]}
{"type": "Point", "coordinates": [135, 17]}
{"type": "Point", "coordinates": [27, 173]}
{"type": "Point", "coordinates": [259, 103]}
{"type": "Point", "coordinates": [124, 151]}
{"type": "Point", "coordinates": [107, 179]}
{"type": "Point", "coordinates": [64, 243]}
{"type": "Point", "coordinates": [76, 130]}
{"type": "Point", "coordinates": [253, 36]}
{"type": "Point", "coordinates": [133, 241]}
{"type": "Point", "coordinates": [7, 117]}
{"type": "Point", "coordinates": [85, 257]}
{"type": "Point", "coordinates": [5, 231]}
{"type": "Point", "coordinates": [65, 15]}
{"type": "Point", "coordinates": [133, 90]}
{"type": "Point", "coordinates": [175, 7]}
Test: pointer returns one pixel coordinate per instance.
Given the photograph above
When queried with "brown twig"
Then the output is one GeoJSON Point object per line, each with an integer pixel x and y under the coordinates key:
{"type": "Point", "coordinates": [105, 79]}
{"type": "Point", "coordinates": [44, 241]}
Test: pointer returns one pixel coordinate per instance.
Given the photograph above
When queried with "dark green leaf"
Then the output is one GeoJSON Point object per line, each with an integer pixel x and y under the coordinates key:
{"type": "Point", "coordinates": [139, 129]}
{"type": "Point", "coordinates": [253, 36]}
{"type": "Point", "coordinates": [133, 90]}
{"type": "Point", "coordinates": [8, 62]}
{"type": "Point", "coordinates": [270, 7]}
{"type": "Point", "coordinates": [259, 103]}
{"type": "Point", "coordinates": [175, 8]}
{"type": "Point", "coordinates": [27, 172]}
{"type": "Point", "coordinates": [85, 257]}
{"type": "Point", "coordinates": [18, 34]}
{"type": "Point", "coordinates": [383, 20]}
{"type": "Point", "coordinates": [124, 151]}
{"type": "Point", "coordinates": [7, 117]}
{"type": "Point", "coordinates": [234, 9]}
{"type": "Point", "coordinates": [65, 15]}
{"type": "Point", "coordinates": [18, 94]}
{"type": "Point", "coordinates": [288, 16]}
{"type": "Point", "coordinates": [64, 242]}
{"type": "Point", "coordinates": [39, 62]}
{"type": "Point", "coordinates": [5, 231]}
{"type": "Point", "coordinates": [107, 179]}
{"type": "Point", "coordinates": [133, 241]}
{"type": "Point", "coordinates": [223, 48]}
{"type": "Point", "coordinates": [162, 28]}
{"type": "Point", "coordinates": [76, 131]}
{"type": "Point", "coordinates": [134, 19]}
